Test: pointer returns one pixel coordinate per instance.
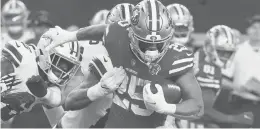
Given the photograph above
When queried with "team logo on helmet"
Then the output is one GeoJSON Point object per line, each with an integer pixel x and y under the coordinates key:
{"type": "Point", "coordinates": [153, 38]}
{"type": "Point", "coordinates": [135, 17]}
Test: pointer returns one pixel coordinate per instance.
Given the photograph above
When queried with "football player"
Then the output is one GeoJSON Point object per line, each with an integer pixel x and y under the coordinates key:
{"type": "Point", "coordinates": [53, 77]}
{"type": "Point", "coordinates": [144, 50]}
{"type": "Point", "coordinates": [209, 60]}
{"type": "Point", "coordinates": [19, 65]}
{"type": "Point", "coordinates": [95, 115]}
{"type": "Point", "coordinates": [14, 19]}
{"type": "Point", "coordinates": [182, 21]}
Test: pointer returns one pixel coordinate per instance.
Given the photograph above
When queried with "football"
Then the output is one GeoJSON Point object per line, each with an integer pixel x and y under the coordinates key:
{"type": "Point", "coordinates": [172, 92]}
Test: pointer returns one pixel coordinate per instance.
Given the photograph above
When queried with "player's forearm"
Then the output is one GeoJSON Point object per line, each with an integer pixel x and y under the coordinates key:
{"type": "Point", "coordinates": [53, 97]}
{"type": "Point", "coordinates": [220, 117]}
{"type": "Point", "coordinates": [228, 84]}
{"type": "Point", "coordinates": [189, 110]}
{"type": "Point", "coordinates": [81, 98]}
{"type": "Point", "coordinates": [94, 32]}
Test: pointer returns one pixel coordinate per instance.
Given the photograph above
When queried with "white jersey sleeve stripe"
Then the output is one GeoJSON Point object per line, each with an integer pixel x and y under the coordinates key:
{"type": "Point", "coordinates": [180, 69]}
{"type": "Point", "coordinates": [207, 80]}
{"type": "Point", "coordinates": [210, 85]}
{"type": "Point", "coordinates": [182, 61]}
{"type": "Point", "coordinates": [13, 57]}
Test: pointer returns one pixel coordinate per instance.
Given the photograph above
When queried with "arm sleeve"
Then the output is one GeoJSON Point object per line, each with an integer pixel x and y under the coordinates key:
{"type": "Point", "coordinates": [94, 32]}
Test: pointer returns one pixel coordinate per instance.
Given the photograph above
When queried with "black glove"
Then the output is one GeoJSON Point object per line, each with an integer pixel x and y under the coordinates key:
{"type": "Point", "coordinates": [37, 86]}
{"type": "Point", "coordinates": [7, 113]}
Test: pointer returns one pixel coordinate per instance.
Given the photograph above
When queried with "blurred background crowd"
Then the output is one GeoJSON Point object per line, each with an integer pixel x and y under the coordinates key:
{"type": "Point", "coordinates": [37, 16]}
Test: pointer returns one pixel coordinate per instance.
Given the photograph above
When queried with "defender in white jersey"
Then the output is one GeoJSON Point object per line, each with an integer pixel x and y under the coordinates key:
{"type": "Point", "coordinates": [182, 21]}
{"type": "Point", "coordinates": [94, 114]}
{"type": "Point", "coordinates": [17, 65]}
{"type": "Point", "coordinates": [27, 64]}
{"type": "Point", "coordinates": [88, 116]}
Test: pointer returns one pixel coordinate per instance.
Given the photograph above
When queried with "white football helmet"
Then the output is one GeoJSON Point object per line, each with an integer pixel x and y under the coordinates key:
{"type": "Point", "coordinates": [237, 34]}
{"type": "Point", "coordinates": [220, 43]}
{"type": "Point", "coordinates": [14, 16]}
{"type": "Point", "coordinates": [182, 21]}
{"type": "Point", "coordinates": [61, 63]}
{"type": "Point", "coordinates": [121, 12]}
{"type": "Point", "coordinates": [99, 17]}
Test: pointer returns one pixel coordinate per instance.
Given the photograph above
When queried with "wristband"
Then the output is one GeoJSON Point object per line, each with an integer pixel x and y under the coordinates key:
{"type": "Point", "coordinates": [52, 98]}
{"type": "Point", "coordinates": [170, 109]}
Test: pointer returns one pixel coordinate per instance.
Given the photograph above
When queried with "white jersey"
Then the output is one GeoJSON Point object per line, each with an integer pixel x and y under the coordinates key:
{"type": "Point", "coordinates": [23, 58]}
{"type": "Point", "coordinates": [24, 64]}
{"type": "Point", "coordinates": [88, 116]}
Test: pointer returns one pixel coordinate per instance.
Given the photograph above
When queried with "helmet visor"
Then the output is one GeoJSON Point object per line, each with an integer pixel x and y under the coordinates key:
{"type": "Point", "coordinates": [62, 68]}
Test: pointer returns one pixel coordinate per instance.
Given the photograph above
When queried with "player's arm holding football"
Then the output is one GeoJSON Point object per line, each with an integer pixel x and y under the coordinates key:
{"type": "Point", "coordinates": [192, 106]}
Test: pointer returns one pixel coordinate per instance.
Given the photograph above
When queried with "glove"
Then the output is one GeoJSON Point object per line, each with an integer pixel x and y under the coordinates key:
{"type": "Point", "coordinates": [244, 118]}
{"type": "Point", "coordinates": [37, 86]}
{"type": "Point", "coordinates": [108, 83]}
{"type": "Point", "coordinates": [19, 101]}
{"type": "Point", "coordinates": [6, 113]}
{"type": "Point", "coordinates": [8, 81]}
{"type": "Point", "coordinates": [113, 79]}
{"type": "Point", "coordinates": [58, 37]}
{"type": "Point", "coordinates": [156, 101]}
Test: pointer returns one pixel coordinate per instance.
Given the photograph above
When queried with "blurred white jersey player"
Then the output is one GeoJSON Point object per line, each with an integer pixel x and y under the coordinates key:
{"type": "Point", "coordinates": [94, 116]}
{"type": "Point", "coordinates": [17, 65]}
{"type": "Point", "coordinates": [182, 21]}
{"type": "Point", "coordinates": [58, 69]}
{"type": "Point", "coordinates": [14, 20]}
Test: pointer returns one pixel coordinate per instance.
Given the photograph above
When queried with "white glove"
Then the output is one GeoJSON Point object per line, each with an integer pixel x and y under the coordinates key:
{"type": "Point", "coordinates": [156, 102]}
{"type": "Point", "coordinates": [108, 83]}
{"type": "Point", "coordinates": [113, 79]}
{"type": "Point", "coordinates": [59, 36]}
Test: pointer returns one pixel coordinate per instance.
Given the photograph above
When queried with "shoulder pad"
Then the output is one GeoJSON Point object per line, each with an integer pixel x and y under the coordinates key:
{"type": "Point", "coordinates": [14, 51]}
{"type": "Point", "coordinates": [115, 31]}
{"type": "Point", "coordinates": [99, 65]}
{"type": "Point", "coordinates": [181, 60]}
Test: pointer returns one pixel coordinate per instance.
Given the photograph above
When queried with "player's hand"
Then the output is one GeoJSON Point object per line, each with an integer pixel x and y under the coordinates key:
{"type": "Point", "coordinates": [6, 113]}
{"type": "Point", "coordinates": [37, 86]}
{"type": "Point", "coordinates": [58, 36]}
{"type": "Point", "coordinates": [246, 118]}
{"type": "Point", "coordinates": [112, 79]}
{"type": "Point", "coordinates": [9, 81]}
{"type": "Point", "coordinates": [155, 102]}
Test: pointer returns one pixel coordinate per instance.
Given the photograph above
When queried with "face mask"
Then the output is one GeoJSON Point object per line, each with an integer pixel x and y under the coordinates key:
{"type": "Point", "coordinates": [53, 78]}
{"type": "Point", "coordinates": [15, 29]}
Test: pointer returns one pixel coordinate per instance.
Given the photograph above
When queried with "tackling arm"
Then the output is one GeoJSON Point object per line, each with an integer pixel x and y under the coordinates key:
{"type": "Point", "coordinates": [209, 98]}
{"type": "Point", "coordinates": [79, 97]}
{"type": "Point", "coordinates": [192, 106]}
{"type": "Point", "coordinates": [94, 32]}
